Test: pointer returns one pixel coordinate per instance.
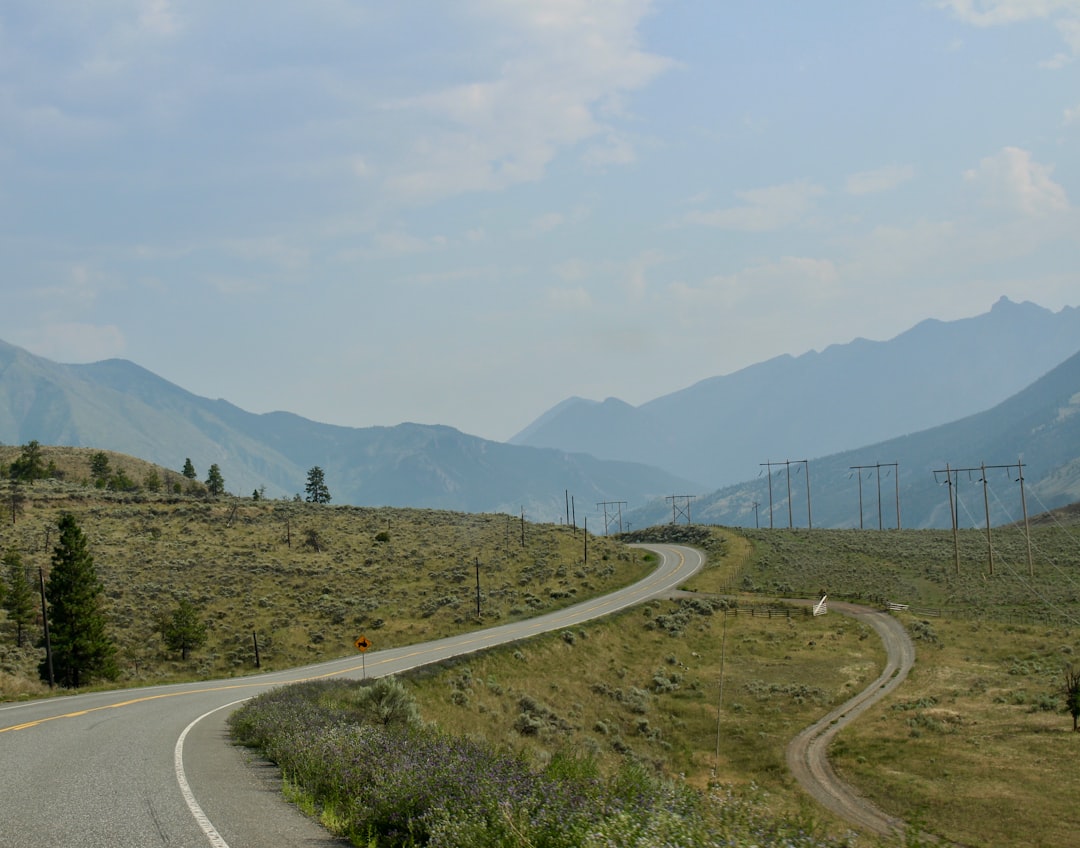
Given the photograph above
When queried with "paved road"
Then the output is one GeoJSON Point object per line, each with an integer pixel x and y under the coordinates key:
{"type": "Point", "coordinates": [807, 753]}
{"type": "Point", "coordinates": [146, 767]}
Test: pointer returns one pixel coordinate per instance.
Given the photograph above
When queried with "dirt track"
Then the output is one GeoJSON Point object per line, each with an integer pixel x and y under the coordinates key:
{"type": "Point", "coordinates": [807, 755]}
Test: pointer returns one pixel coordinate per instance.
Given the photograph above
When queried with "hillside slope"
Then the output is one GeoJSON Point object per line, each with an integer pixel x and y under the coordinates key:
{"type": "Point", "coordinates": [819, 403]}
{"type": "Point", "coordinates": [117, 405]}
{"type": "Point", "coordinates": [1039, 426]}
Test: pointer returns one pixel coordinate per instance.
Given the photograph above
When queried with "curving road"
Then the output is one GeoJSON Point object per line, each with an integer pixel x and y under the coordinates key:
{"type": "Point", "coordinates": [807, 754]}
{"type": "Point", "coordinates": [148, 767]}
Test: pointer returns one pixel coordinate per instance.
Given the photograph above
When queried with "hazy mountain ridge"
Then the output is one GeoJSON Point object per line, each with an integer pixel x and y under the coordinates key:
{"type": "Point", "coordinates": [1039, 426]}
{"type": "Point", "coordinates": [118, 405]}
{"type": "Point", "coordinates": [822, 402]}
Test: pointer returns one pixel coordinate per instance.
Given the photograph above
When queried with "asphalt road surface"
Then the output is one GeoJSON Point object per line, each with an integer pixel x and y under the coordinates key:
{"type": "Point", "coordinates": [153, 766]}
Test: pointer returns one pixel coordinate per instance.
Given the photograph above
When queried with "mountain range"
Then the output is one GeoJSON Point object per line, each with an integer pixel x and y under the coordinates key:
{"type": "Point", "coordinates": [917, 480]}
{"type": "Point", "coordinates": [718, 430]}
{"type": "Point", "coordinates": [985, 389]}
{"type": "Point", "coordinates": [117, 405]}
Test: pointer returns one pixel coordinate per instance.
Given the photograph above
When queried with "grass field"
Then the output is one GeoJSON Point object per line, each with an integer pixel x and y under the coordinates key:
{"type": "Point", "coordinates": [966, 746]}
{"type": "Point", "coordinates": [974, 745]}
{"type": "Point", "coordinates": [303, 579]}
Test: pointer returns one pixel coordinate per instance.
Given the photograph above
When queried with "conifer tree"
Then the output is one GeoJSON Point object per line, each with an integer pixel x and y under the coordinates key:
{"type": "Point", "coordinates": [81, 647]}
{"type": "Point", "coordinates": [183, 631]}
{"type": "Point", "coordinates": [19, 601]}
{"type": "Point", "coordinates": [317, 491]}
{"type": "Point", "coordinates": [215, 483]}
{"type": "Point", "coordinates": [30, 464]}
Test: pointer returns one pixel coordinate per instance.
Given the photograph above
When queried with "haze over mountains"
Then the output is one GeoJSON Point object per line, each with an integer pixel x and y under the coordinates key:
{"type": "Point", "coordinates": [949, 379]}
{"type": "Point", "coordinates": [848, 395]}
{"type": "Point", "coordinates": [909, 480]}
{"type": "Point", "coordinates": [117, 405]}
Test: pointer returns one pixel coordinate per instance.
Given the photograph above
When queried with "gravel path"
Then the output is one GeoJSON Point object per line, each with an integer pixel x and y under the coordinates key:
{"type": "Point", "coordinates": [807, 755]}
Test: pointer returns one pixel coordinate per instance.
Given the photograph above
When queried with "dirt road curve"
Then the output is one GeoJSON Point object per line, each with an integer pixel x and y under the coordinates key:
{"type": "Point", "coordinates": [807, 754]}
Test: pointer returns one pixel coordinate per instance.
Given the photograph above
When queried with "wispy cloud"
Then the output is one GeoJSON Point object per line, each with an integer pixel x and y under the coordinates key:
{"type": "Point", "coordinates": [881, 179]}
{"type": "Point", "coordinates": [562, 85]}
{"type": "Point", "coordinates": [763, 209]}
{"type": "Point", "coordinates": [1064, 14]}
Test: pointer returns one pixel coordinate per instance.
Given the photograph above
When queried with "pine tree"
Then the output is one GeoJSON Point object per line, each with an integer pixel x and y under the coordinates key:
{"type": "Point", "coordinates": [99, 468]}
{"type": "Point", "coordinates": [215, 483]}
{"type": "Point", "coordinates": [19, 602]}
{"type": "Point", "coordinates": [317, 491]}
{"type": "Point", "coordinates": [183, 631]}
{"type": "Point", "coordinates": [81, 648]}
{"type": "Point", "coordinates": [30, 464]}
{"type": "Point", "coordinates": [189, 469]}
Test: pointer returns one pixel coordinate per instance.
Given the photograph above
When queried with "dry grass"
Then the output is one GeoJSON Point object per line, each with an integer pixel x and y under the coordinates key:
{"type": "Point", "coordinates": [650, 696]}
{"type": "Point", "coordinates": [975, 742]}
{"type": "Point", "coordinates": [645, 686]}
{"type": "Point", "coordinates": [399, 576]}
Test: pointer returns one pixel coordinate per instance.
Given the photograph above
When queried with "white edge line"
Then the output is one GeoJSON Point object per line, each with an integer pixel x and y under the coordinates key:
{"type": "Point", "coordinates": [201, 819]}
{"type": "Point", "coordinates": [215, 838]}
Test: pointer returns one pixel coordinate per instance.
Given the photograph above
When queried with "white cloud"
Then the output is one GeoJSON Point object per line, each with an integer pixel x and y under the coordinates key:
{"type": "Point", "coordinates": [560, 84]}
{"type": "Point", "coordinates": [1013, 180]}
{"type": "Point", "coordinates": [764, 209]}
{"type": "Point", "coordinates": [881, 179]}
{"type": "Point", "coordinates": [998, 12]}
{"type": "Point", "coordinates": [1072, 114]}
{"type": "Point", "coordinates": [1065, 15]}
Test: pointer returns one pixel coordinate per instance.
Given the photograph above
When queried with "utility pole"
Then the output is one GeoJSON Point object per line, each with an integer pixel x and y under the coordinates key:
{"type": "Point", "coordinates": [720, 697]}
{"type": "Point", "coordinates": [680, 505]}
{"type": "Point", "coordinates": [787, 463]}
{"type": "Point", "coordinates": [948, 472]}
{"type": "Point", "coordinates": [877, 466]}
{"type": "Point", "coordinates": [754, 505]}
{"type": "Point", "coordinates": [618, 505]}
{"type": "Point", "coordinates": [477, 588]}
{"type": "Point", "coordinates": [523, 527]}
{"type": "Point", "coordinates": [954, 504]}
{"type": "Point", "coordinates": [986, 507]}
{"type": "Point", "coordinates": [1027, 529]}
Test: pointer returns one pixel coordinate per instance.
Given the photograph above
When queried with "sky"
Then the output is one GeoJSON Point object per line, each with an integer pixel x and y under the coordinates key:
{"type": "Point", "coordinates": [368, 213]}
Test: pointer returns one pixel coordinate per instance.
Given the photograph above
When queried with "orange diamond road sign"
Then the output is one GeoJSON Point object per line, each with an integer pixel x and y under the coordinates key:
{"type": "Point", "coordinates": [362, 644]}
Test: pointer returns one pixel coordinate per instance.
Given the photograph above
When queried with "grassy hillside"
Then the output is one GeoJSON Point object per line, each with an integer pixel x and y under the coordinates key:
{"type": "Point", "coordinates": [964, 746]}
{"type": "Point", "coordinates": [304, 580]}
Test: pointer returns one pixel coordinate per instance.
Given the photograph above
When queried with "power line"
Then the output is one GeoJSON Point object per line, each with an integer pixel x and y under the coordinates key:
{"type": "Point", "coordinates": [954, 505]}
{"type": "Point", "coordinates": [877, 466]}
{"type": "Point", "coordinates": [787, 463]}
{"type": "Point", "coordinates": [617, 514]}
{"type": "Point", "coordinates": [680, 505]}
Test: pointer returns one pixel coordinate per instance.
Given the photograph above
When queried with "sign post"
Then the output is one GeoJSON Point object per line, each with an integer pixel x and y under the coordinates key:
{"type": "Point", "coordinates": [362, 644]}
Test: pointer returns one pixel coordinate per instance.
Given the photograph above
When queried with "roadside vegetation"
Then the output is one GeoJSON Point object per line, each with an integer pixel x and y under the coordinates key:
{"type": "Point", "coordinates": [192, 584]}
{"type": "Point", "coordinates": [977, 746]}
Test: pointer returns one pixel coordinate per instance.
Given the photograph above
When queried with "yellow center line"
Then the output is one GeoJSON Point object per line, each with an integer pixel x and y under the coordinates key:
{"type": "Point", "coordinates": [525, 627]}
